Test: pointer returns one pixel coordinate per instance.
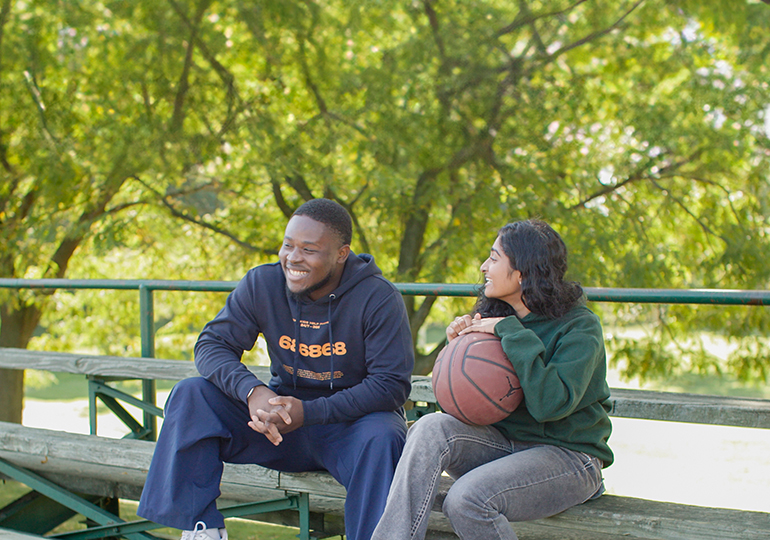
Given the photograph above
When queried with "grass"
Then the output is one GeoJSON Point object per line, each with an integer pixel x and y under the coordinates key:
{"type": "Point", "coordinates": [47, 386]}
{"type": "Point", "coordinates": [237, 529]}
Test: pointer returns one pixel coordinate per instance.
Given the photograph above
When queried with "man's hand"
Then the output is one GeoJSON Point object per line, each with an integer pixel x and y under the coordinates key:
{"type": "Point", "coordinates": [273, 415]}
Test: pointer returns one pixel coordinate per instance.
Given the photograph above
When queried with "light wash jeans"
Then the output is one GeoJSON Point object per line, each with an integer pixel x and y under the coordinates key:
{"type": "Point", "coordinates": [496, 481]}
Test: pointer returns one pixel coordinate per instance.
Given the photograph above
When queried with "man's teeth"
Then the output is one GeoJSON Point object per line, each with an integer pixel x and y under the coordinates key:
{"type": "Point", "coordinates": [297, 273]}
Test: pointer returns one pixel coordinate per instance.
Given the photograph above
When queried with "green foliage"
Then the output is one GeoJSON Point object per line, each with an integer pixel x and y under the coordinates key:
{"type": "Point", "coordinates": [174, 139]}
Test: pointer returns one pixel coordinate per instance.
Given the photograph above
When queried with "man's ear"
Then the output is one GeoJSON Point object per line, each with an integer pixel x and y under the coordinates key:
{"type": "Point", "coordinates": [342, 254]}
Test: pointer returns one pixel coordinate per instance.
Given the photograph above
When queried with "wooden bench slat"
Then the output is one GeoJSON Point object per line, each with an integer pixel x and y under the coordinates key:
{"type": "Point", "coordinates": [667, 406]}
{"type": "Point", "coordinates": [125, 462]}
{"type": "Point", "coordinates": [8, 534]}
{"type": "Point", "coordinates": [692, 408]}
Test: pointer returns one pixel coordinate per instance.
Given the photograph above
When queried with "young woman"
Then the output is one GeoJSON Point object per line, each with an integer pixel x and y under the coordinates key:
{"type": "Point", "coordinates": [548, 454]}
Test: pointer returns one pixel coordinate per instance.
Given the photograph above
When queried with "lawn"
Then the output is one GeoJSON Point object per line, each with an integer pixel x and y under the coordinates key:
{"type": "Point", "coordinates": [237, 529]}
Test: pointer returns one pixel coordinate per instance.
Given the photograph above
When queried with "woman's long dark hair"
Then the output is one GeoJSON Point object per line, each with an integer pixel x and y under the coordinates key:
{"type": "Point", "coordinates": [539, 253]}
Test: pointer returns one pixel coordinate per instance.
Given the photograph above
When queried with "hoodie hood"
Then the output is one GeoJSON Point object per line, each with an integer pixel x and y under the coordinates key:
{"type": "Point", "coordinates": [357, 268]}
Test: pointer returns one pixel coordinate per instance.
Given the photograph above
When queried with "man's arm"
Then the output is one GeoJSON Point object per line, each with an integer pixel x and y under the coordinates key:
{"type": "Point", "coordinates": [222, 341]}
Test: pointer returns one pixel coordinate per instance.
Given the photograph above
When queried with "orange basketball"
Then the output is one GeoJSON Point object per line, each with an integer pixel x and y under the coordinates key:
{"type": "Point", "coordinates": [474, 381]}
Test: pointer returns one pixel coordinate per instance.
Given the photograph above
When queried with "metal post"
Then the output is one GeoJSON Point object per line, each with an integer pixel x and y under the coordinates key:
{"type": "Point", "coordinates": [304, 516]}
{"type": "Point", "coordinates": [147, 327]}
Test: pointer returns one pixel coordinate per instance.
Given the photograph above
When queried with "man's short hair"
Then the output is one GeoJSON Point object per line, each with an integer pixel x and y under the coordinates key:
{"type": "Point", "coordinates": [331, 214]}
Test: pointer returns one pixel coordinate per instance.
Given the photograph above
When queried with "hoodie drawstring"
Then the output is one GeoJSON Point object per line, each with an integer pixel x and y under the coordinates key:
{"type": "Point", "coordinates": [332, 297]}
{"type": "Point", "coordinates": [296, 346]}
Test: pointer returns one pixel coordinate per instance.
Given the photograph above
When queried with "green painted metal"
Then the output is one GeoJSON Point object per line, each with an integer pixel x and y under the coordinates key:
{"type": "Point", "coordinates": [595, 294]}
{"type": "Point", "coordinates": [304, 516]}
{"type": "Point", "coordinates": [36, 514]}
{"type": "Point", "coordinates": [138, 431]}
{"type": "Point", "coordinates": [147, 327]}
{"type": "Point", "coordinates": [292, 501]}
{"type": "Point", "coordinates": [97, 389]}
{"type": "Point", "coordinates": [111, 525]}
{"type": "Point", "coordinates": [64, 497]}
{"type": "Point", "coordinates": [104, 390]}
{"type": "Point", "coordinates": [147, 317]}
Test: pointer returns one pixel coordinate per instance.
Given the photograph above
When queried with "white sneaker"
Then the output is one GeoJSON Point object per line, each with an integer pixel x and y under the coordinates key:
{"type": "Point", "coordinates": [200, 532]}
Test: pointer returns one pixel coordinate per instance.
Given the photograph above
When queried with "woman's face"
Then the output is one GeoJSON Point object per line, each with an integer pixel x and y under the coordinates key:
{"type": "Point", "coordinates": [501, 281]}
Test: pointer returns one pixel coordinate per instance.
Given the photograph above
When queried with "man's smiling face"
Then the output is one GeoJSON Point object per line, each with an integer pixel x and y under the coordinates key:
{"type": "Point", "coordinates": [312, 257]}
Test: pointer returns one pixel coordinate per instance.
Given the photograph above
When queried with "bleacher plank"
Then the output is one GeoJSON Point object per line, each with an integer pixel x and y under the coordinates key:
{"type": "Point", "coordinates": [123, 462]}
{"type": "Point", "coordinates": [118, 467]}
{"type": "Point", "coordinates": [666, 406]}
{"type": "Point", "coordinates": [9, 534]}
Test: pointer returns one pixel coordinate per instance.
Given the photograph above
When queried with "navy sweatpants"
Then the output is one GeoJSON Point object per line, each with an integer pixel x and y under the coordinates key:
{"type": "Point", "coordinates": [204, 427]}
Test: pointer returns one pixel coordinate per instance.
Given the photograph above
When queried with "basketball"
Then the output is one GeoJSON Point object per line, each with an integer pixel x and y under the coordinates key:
{"type": "Point", "coordinates": [474, 381]}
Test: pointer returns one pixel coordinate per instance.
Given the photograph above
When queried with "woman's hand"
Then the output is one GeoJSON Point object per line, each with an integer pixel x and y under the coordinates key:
{"type": "Point", "coordinates": [465, 324]}
{"type": "Point", "coordinates": [457, 326]}
{"type": "Point", "coordinates": [479, 324]}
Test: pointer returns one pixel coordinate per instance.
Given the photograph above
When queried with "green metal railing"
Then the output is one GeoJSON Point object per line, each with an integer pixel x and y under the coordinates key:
{"type": "Point", "coordinates": [595, 294]}
{"type": "Point", "coordinates": [110, 525]}
{"type": "Point", "coordinates": [146, 288]}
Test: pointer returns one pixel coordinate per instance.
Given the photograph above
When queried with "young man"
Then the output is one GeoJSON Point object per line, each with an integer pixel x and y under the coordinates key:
{"type": "Point", "coordinates": [341, 360]}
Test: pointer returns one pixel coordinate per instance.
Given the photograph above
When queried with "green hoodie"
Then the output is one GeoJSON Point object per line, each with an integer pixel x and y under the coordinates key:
{"type": "Point", "coordinates": [561, 365]}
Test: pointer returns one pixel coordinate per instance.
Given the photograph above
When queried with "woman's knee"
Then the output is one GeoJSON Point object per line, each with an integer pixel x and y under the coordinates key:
{"type": "Point", "coordinates": [432, 427]}
{"type": "Point", "coordinates": [463, 500]}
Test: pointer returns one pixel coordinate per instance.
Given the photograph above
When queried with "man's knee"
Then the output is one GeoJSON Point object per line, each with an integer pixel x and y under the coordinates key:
{"type": "Point", "coordinates": [384, 432]}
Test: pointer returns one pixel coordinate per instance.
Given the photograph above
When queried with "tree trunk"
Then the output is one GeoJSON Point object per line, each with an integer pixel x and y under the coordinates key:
{"type": "Point", "coordinates": [16, 327]}
{"type": "Point", "coordinates": [11, 395]}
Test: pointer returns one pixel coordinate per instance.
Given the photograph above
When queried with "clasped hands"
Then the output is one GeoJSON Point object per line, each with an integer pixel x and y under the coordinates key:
{"type": "Point", "coordinates": [466, 324]}
{"type": "Point", "coordinates": [273, 415]}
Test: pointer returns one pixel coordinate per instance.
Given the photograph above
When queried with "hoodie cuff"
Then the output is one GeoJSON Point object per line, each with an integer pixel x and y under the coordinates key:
{"type": "Point", "coordinates": [314, 412]}
{"type": "Point", "coordinates": [508, 325]}
{"type": "Point", "coordinates": [246, 387]}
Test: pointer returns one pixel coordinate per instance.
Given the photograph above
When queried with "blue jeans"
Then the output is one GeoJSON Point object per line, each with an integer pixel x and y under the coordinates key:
{"type": "Point", "coordinates": [496, 481]}
{"type": "Point", "coordinates": [204, 427]}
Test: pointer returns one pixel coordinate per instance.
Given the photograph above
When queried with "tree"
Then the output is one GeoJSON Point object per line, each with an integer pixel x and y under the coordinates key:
{"type": "Point", "coordinates": [630, 127]}
{"type": "Point", "coordinates": [88, 107]}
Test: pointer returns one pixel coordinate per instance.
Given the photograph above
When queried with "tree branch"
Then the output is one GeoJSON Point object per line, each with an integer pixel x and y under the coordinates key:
{"type": "Point", "coordinates": [224, 74]}
{"type": "Point", "coordinates": [636, 178]}
{"type": "Point", "coordinates": [529, 18]}
{"type": "Point", "coordinates": [279, 198]}
{"type": "Point", "coordinates": [38, 99]}
{"type": "Point", "coordinates": [177, 117]}
{"type": "Point", "coordinates": [684, 207]}
{"type": "Point", "coordinates": [590, 37]}
{"type": "Point", "coordinates": [434, 26]}
{"type": "Point", "coordinates": [167, 202]}
{"type": "Point", "coordinates": [5, 13]}
{"type": "Point", "coordinates": [92, 212]}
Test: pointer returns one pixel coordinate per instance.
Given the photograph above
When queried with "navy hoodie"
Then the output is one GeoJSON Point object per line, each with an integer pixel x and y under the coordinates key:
{"type": "Point", "coordinates": [344, 356]}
